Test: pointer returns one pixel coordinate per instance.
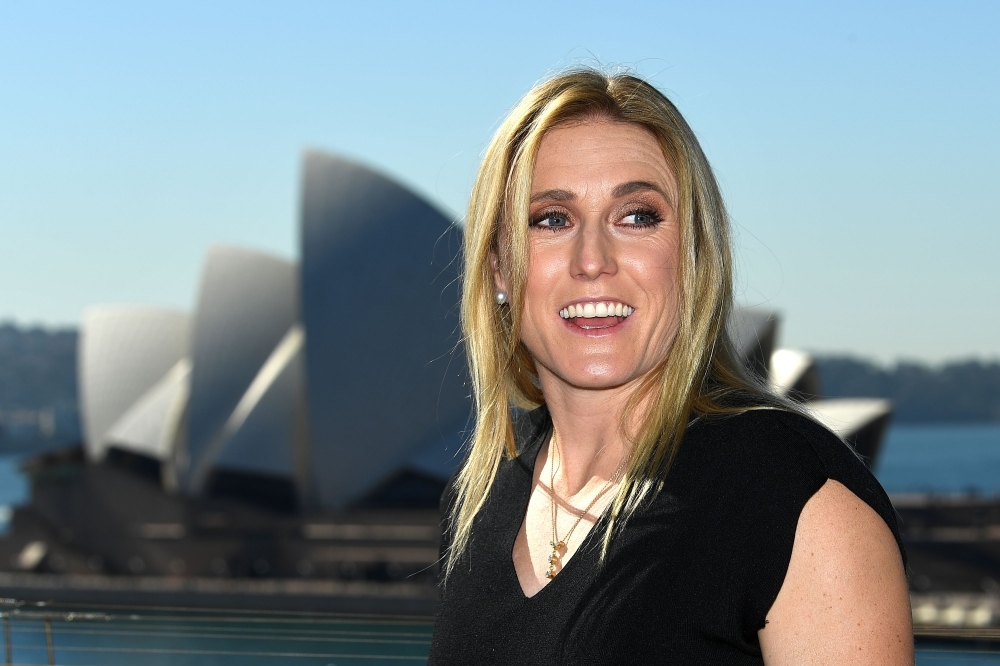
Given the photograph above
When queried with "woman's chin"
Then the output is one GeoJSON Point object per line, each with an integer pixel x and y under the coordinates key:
{"type": "Point", "coordinates": [597, 378]}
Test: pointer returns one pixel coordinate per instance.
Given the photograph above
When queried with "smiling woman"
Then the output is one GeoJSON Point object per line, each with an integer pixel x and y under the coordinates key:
{"type": "Point", "coordinates": [655, 504]}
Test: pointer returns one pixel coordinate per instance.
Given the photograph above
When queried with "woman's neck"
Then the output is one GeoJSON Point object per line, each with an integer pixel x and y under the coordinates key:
{"type": "Point", "coordinates": [588, 430]}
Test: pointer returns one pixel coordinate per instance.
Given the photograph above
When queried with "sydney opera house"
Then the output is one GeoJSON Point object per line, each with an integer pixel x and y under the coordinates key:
{"type": "Point", "coordinates": [318, 384]}
{"type": "Point", "coordinates": [302, 420]}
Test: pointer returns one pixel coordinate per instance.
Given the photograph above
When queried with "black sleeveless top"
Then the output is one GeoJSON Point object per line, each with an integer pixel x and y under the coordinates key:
{"type": "Point", "coordinates": [690, 578]}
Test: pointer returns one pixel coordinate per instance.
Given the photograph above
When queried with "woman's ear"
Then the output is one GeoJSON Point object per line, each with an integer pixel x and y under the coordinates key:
{"type": "Point", "coordinates": [498, 279]}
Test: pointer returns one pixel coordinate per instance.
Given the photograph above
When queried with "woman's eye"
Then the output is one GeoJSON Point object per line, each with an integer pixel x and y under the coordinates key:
{"type": "Point", "coordinates": [552, 221]}
{"type": "Point", "coordinates": [642, 218]}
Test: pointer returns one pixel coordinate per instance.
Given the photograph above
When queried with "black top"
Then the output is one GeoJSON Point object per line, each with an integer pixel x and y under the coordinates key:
{"type": "Point", "coordinates": [690, 578]}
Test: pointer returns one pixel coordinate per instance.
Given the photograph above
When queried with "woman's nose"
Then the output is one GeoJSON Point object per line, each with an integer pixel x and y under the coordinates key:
{"type": "Point", "coordinates": [593, 253]}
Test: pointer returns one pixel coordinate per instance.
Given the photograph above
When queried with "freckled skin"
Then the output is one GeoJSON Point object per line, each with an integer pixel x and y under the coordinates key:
{"type": "Point", "coordinates": [844, 551]}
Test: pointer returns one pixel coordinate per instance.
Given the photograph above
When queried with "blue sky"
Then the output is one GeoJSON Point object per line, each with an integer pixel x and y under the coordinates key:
{"type": "Point", "coordinates": [857, 144]}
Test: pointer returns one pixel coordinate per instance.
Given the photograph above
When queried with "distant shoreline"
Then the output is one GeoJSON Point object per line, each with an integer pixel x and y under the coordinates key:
{"type": "Point", "coordinates": [953, 393]}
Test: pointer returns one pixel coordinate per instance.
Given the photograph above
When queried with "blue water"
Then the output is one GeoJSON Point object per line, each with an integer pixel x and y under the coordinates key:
{"type": "Point", "coordinates": [941, 459]}
{"type": "Point", "coordinates": [946, 655]}
{"type": "Point", "coordinates": [13, 490]}
{"type": "Point", "coordinates": [13, 487]}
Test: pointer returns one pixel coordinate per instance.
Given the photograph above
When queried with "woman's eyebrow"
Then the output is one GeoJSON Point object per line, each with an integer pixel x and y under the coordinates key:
{"type": "Point", "coordinates": [634, 186]}
{"type": "Point", "coordinates": [553, 195]}
{"type": "Point", "coordinates": [622, 190]}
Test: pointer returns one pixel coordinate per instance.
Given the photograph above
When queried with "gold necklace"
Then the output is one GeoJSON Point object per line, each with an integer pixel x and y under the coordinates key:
{"type": "Point", "coordinates": [557, 543]}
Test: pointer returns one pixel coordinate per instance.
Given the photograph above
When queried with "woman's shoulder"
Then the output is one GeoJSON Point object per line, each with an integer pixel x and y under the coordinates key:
{"type": "Point", "coordinates": [772, 450]}
{"type": "Point", "coordinates": [769, 435]}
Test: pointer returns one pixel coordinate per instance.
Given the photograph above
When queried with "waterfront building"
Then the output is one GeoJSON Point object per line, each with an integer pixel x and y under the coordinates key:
{"type": "Point", "coordinates": [330, 382]}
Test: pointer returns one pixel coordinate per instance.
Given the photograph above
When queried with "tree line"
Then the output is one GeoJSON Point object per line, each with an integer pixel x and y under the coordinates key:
{"type": "Point", "coordinates": [961, 391]}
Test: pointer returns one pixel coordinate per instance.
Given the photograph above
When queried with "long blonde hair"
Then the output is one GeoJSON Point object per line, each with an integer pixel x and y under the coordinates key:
{"type": "Point", "coordinates": [700, 372]}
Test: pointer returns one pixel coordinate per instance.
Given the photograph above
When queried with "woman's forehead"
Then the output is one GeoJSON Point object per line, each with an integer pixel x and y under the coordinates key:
{"type": "Point", "coordinates": [595, 157]}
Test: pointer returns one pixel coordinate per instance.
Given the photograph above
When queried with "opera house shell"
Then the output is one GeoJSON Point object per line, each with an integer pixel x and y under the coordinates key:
{"type": "Point", "coordinates": [380, 310]}
{"type": "Point", "coordinates": [133, 370]}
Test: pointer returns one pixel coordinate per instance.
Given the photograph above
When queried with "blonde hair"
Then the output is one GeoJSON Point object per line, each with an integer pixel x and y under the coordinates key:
{"type": "Point", "coordinates": [700, 374]}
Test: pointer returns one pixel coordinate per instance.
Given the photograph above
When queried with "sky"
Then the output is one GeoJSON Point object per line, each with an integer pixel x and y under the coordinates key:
{"type": "Point", "coordinates": [856, 143]}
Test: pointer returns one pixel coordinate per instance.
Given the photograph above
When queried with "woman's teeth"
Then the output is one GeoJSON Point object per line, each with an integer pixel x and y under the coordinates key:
{"type": "Point", "coordinates": [591, 310]}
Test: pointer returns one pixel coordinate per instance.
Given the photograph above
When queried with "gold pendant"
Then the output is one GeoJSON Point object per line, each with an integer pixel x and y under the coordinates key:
{"type": "Point", "coordinates": [554, 559]}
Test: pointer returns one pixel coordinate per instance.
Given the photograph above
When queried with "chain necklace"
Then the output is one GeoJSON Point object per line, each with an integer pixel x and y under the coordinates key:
{"type": "Point", "coordinates": [560, 544]}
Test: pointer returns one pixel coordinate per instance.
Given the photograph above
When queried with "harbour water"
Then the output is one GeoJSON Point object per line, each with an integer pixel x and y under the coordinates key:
{"type": "Point", "coordinates": [939, 459]}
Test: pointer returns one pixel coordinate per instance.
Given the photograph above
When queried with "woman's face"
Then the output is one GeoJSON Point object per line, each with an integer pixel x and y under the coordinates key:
{"type": "Point", "coordinates": [601, 300]}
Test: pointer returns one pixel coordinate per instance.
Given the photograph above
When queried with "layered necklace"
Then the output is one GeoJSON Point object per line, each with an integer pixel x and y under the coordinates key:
{"type": "Point", "coordinates": [559, 545]}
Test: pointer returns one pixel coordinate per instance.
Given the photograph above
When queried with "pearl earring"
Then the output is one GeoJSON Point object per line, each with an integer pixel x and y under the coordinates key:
{"type": "Point", "coordinates": [501, 296]}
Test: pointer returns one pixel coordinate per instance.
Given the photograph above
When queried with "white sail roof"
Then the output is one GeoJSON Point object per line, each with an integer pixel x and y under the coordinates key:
{"type": "Point", "coordinates": [149, 427]}
{"type": "Point", "coordinates": [380, 308]}
{"type": "Point", "coordinates": [265, 433]}
{"type": "Point", "coordinates": [123, 352]}
{"type": "Point", "coordinates": [788, 368]}
{"type": "Point", "coordinates": [246, 304]}
{"type": "Point", "coordinates": [847, 416]}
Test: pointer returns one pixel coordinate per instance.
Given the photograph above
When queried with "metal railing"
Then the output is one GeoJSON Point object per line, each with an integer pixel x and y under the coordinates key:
{"type": "Point", "coordinates": [68, 635]}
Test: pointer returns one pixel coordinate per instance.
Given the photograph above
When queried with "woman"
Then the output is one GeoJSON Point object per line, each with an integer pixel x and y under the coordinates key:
{"type": "Point", "coordinates": [656, 505]}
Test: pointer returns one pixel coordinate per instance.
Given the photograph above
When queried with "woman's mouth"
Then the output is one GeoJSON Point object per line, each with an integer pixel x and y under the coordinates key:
{"type": "Point", "coordinates": [597, 314]}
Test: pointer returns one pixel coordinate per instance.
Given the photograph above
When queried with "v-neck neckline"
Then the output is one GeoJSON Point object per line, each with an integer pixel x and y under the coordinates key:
{"type": "Point", "coordinates": [523, 497]}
